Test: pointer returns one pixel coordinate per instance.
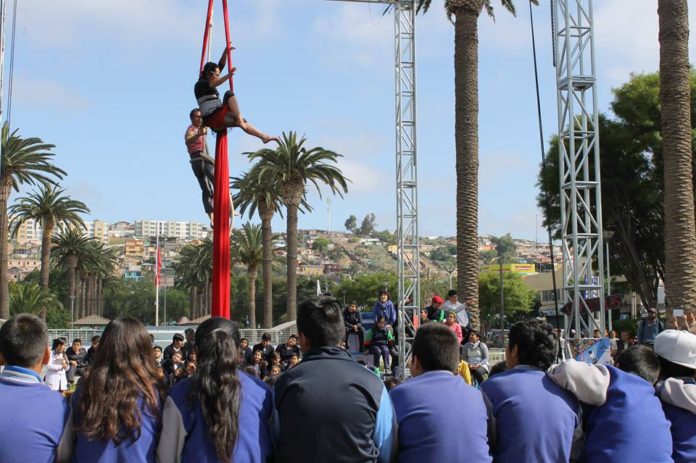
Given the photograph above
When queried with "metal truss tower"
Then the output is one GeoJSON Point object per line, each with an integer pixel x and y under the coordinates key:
{"type": "Point", "coordinates": [408, 257]}
{"type": "Point", "coordinates": [580, 180]}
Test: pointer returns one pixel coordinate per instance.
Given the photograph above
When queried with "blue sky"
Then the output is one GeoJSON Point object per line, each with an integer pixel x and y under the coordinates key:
{"type": "Point", "coordinates": [110, 84]}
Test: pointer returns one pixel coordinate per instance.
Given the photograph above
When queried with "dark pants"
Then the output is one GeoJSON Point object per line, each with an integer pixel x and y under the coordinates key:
{"type": "Point", "coordinates": [378, 351]}
{"type": "Point", "coordinates": [205, 174]}
{"type": "Point", "coordinates": [70, 374]}
{"type": "Point", "coordinates": [479, 375]}
{"type": "Point", "coordinates": [360, 333]}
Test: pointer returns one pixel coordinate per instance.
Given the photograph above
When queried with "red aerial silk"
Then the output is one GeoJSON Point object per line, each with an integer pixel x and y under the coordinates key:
{"type": "Point", "coordinates": [221, 196]}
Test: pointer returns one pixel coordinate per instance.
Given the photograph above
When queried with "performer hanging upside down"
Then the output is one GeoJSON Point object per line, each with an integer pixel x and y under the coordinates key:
{"type": "Point", "coordinates": [218, 114]}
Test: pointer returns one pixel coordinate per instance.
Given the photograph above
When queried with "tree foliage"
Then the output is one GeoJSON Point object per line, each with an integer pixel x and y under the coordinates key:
{"type": "Point", "coordinates": [368, 225]}
{"type": "Point", "coordinates": [364, 288]}
{"type": "Point", "coordinates": [518, 298]}
{"type": "Point", "coordinates": [505, 248]}
{"type": "Point", "coordinates": [351, 223]}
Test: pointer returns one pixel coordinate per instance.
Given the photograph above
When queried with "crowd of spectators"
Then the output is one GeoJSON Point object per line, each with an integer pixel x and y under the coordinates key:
{"type": "Point", "coordinates": [329, 408]}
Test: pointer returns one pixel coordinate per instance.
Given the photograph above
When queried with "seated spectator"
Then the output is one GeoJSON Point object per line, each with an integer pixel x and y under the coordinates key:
{"type": "Point", "coordinates": [498, 368]}
{"type": "Point", "coordinates": [265, 347]}
{"type": "Point", "coordinates": [352, 318]}
{"type": "Point", "coordinates": [287, 350]}
{"type": "Point", "coordinates": [294, 360]}
{"type": "Point", "coordinates": [275, 361]}
{"type": "Point", "coordinates": [158, 356]}
{"type": "Point", "coordinates": [458, 405]}
{"type": "Point", "coordinates": [677, 390]}
{"type": "Point", "coordinates": [77, 358]}
{"type": "Point", "coordinates": [258, 364]}
{"type": "Point", "coordinates": [623, 419]}
{"type": "Point", "coordinates": [475, 353]}
{"type": "Point", "coordinates": [596, 334]}
{"type": "Point", "coordinates": [451, 322]}
{"type": "Point", "coordinates": [274, 371]}
{"type": "Point", "coordinates": [452, 304]}
{"type": "Point", "coordinates": [57, 367]}
{"type": "Point", "coordinates": [93, 349]}
{"type": "Point", "coordinates": [384, 307]}
{"type": "Point", "coordinates": [330, 408]}
{"type": "Point", "coordinates": [535, 420]}
{"type": "Point", "coordinates": [116, 406]}
{"type": "Point", "coordinates": [32, 416]}
{"type": "Point", "coordinates": [245, 350]}
{"type": "Point", "coordinates": [424, 316]}
{"type": "Point", "coordinates": [190, 345]}
{"type": "Point", "coordinates": [175, 347]}
{"type": "Point", "coordinates": [377, 340]}
{"type": "Point", "coordinates": [435, 313]}
{"type": "Point", "coordinates": [219, 414]}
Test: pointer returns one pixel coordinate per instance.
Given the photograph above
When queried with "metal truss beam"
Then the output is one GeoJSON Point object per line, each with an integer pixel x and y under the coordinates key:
{"type": "Point", "coordinates": [580, 179]}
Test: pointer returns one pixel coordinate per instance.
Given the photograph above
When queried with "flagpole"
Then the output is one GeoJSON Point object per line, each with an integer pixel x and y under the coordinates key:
{"type": "Point", "coordinates": [157, 264]}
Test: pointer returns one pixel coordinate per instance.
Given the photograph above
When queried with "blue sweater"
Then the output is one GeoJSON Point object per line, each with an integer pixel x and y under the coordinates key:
{"type": "Point", "coordinates": [185, 434]}
{"type": "Point", "coordinates": [683, 428]}
{"type": "Point", "coordinates": [630, 426]}
{"type": "Point", "coordinates": [103, 451]}
{"type": "Point", "coordinates": [450, 428]}
{"type": "Point", "coordinates": [534, 418]}
{"type": "Point", "coordinates": [32, 417]}
{"type": "Point", "coordinates": [385, 310]}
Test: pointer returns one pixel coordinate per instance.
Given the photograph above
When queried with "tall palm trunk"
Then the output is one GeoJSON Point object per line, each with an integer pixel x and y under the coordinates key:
{"type": "Point", "coordinates": [46, 253]}
{"type": "Point", "coordinates": [675, 98]}
{"type": "Point", "coordinates": [4, 236]}
{"type": "Point", "coordinates": [292, 261]}
{"type": "Point", "coordinates": [193, 302]}
{"type": "Point", "coordinates": [71, 264]}
{"type": "Point", "coordinates": [252, 274]}
{"type": "Point", "coordinates": [467, 162]}
{"type": "Point", "coordinates": [266, 214]}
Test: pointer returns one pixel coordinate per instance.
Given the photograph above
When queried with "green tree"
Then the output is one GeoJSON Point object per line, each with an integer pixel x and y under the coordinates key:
{"type": "Point", "coordinates": [251, 254]}
{"type": "Point", "coordinates": [518, 299]}
{"type": "Point", "coordinates": [466, 14]}
{"type": "Point", "coordinates": [368, 225]}
{"type": "Point", "coordinates": [351, 223]}
{"type": "Point", "coordinates": [69, 246]}
{"type": "Point", "coordinates": [321, 244]}
{"type": "Point", "coordinates": [31, 298]}
{"type": "Point", "coordinates": [292, 166]}
{"type": "Point", "coordinates": [365, 287]}
{"type": "Point", "coordinates": [505, 248]}
{"type": "Point", "coordinates": [23, 161]}
{"type": "Point", "coordinates": [50, 207]}
{"type": "Point", "coordinates": [194, 273]}
{"type": "Point", "coordinates": [675, 101]}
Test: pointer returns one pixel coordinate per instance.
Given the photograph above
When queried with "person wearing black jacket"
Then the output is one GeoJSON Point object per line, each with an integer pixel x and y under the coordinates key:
{"type": "Point", "coordinates": [92, 351]}
{"type": "Point", "coordinates": [361, 425]}
{"type": "Point", "coordinates": [77, 358]}
{"type": "Point", "coordinates": [176, 346]}
{"type": "Point", "coordinates": [287, 350]}
{"type": "Point", "coordinates": [265, 347]}
{"type": "Point", "coordinates": [352, 319]}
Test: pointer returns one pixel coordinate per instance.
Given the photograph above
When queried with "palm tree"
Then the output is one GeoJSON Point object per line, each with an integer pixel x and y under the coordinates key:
{"type": "Point", "coordinates": [31, 298]}
{"type": "Point", "coordinates": [69, 247]}
{"type": "Point", "coordinates": [251, 254]}
{"type": "Point", "coordinates": [256, 195]}
{"type": "Point", "coordinates": [291, 166]}
{"type": "Point", "coordinates": [194, 272]}
{"type": "Point", "coordinates": [466, 14]}
{"type": "Point", "coordinates": [51, 208]}
{"type": "Point", "coordinates": [24, 161]}
{"type": "Point", "coordinates": [675, 99]}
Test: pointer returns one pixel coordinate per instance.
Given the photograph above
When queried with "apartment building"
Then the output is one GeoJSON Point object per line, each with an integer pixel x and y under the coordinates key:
{"type": "Point", "coordinates": [168, 229]}
{"type": "Point", "coordinates": [29, 232]}
{"type": "Point", "coordinates": [98, 230]}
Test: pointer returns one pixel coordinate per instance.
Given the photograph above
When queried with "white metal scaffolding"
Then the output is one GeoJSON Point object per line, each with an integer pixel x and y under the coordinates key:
{"type": "Point", "coordinates": [580, 180]}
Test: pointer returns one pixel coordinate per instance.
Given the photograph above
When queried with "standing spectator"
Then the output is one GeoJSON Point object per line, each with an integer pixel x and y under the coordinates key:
{"type": "Point", "coordinates": [435, 313]}
{"type": "Point", "coordinates": [93, 349]}
{"type": "Point", "coordinates": [424, 316]}
{"type": "Point", "coordinates": [245, 350]}
{"type": "Point", "coordinates": [57, 367]}
{"type": "Point", "coordinates": [625, 342]}
{"type": "Point", "coordinates": [677, 390]}
{"type": "Point", "coordinates": [535, 419]}
{"type": "Point", "coordinates": [287, 350]}
{"type": "Point", "coordinates": [458, 406]}
{"type": "Point", "coordinates": [451, 322]}
{"type": "Point", "coordinates": [175, 347]}
{"type": "Point", "coordinates": [378, 340]}
{"type": "Point", "coordinates": [352, 318]}
{"type": "Point", "coordinates": [77, 357]}
{"type": "Point", "coordinates": [116, 407]}
{"type": "Point", "coordinates": [623, 420]}
{"type": "Point", "coordinates": [220, 414]}
{"type": "Point", "coordinates": [265, 347]}
{"type": "Point", "coordinates": [33, 416]}
{"type": "Point", "coordinates": [190, 346]}
{"type": "Point", "coordinates": [385, 308]}
{"type": "Point", "coordinates": [649, 328]}
{"type": "Point", "coordinates": [452, 304]}
{"type": "Point", "coordinates": [475, 353]}
{"type": "Point", "coordinates": [316, 422]}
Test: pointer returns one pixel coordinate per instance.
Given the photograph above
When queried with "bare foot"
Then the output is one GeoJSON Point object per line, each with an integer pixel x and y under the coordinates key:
{"type": "Point", "coordinates": [268, 138]}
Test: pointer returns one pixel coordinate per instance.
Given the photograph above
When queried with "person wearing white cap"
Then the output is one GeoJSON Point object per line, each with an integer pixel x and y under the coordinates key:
{"type": "Point", "coordinates": [677, 389]}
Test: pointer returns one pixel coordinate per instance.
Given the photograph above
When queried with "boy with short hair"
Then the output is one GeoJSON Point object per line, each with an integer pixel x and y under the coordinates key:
{"type": "Point", "coordinates": [458, 406]}
{"type": "Point", "coordinates": [352, 318]}
{"type": "Point", "coordinates": [534, 419]}
{"type": "Point", "coordinates": [33, 416]}
{"type": "Point", "coordinates": [623, 419]}
{"type": "Point", "coordinates": [677, 390]}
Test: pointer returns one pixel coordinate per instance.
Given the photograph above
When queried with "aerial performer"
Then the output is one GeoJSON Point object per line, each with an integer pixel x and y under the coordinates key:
{"type": "Point", "coordinates": [221, 114]}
